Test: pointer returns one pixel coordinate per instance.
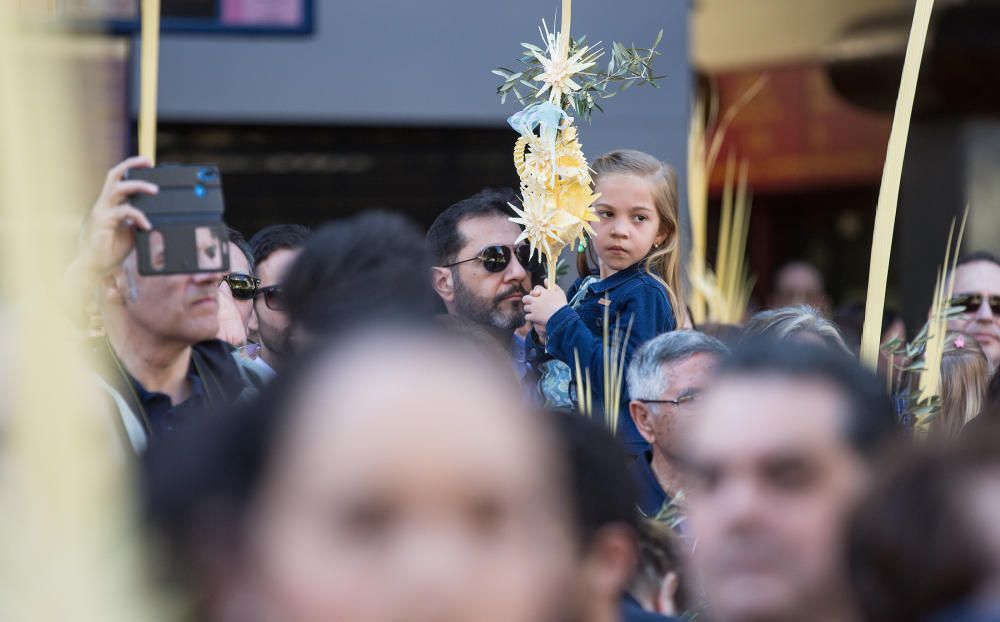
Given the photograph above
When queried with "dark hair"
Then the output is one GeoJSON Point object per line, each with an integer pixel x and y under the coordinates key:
{"type": "Point", "coordinates": [850, 319]}
{"type": "Point", "coordinates": [241, 243]}
{"type": "Point", "coordinates": [276, 237]}
{"type": "Point", "coordinates": [912, 550]}
{"type": "Point", "coordinates": [870, 421]}
{"type": "Point", "coordinates": [979, 256]}
{"type": "Point", "coordinates": [370, 267]}
{"type": "Point", "coordinates": [198, 489]}
{"type": "Point", "coordinates": [660, 553]}
{"type": "Point", "coordinates": [603, 491]}
{"type": "Point", "coordinates": [444, 238]}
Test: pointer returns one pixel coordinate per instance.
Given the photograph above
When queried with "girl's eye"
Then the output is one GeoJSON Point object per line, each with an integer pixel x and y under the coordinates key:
{"type": "Point", "coordinates": [604, 214]}
{"type": "Point", "coordinates": [640, 218]}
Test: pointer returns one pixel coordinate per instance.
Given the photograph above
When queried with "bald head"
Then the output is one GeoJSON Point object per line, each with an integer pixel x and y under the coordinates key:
{"type": "Point", "coordinates": [799, 283]}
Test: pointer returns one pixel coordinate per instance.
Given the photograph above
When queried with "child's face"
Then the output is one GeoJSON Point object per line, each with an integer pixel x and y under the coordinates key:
{"type": "Point", "coordinates": [629, 223]}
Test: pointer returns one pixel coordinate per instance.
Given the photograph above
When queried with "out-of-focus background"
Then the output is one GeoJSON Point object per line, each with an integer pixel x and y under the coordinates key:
{"type": "Point", "coordinates": [316, 109]}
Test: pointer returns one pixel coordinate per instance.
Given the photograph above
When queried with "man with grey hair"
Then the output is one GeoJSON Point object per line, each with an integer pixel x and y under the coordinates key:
{"type": "Point", "coordinates": [665, 378]}
{"type": "Point", "coordinates": [159, 361]}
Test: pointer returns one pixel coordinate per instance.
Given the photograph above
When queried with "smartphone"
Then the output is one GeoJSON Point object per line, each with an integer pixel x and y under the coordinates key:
{"type": "Point", "coordinates": [188, 234]}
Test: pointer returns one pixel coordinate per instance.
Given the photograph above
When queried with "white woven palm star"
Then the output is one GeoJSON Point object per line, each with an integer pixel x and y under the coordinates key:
{"type": "Point", "coordinates": [559, 67]}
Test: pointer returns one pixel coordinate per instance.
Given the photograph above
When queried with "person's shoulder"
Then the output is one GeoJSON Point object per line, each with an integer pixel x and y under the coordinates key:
{"type": "Point", "coordinates": [219, 356]}
{"type": "Point", "coordinates": [647, 287]}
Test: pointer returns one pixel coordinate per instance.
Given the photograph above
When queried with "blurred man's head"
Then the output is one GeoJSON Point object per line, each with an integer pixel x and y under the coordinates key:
{"type": "Point", "coordinates": [275, 248]}
{"type": "Point", "coordinates": [925, 541]}
{"type": "Point", "coordinates": [799, 283]}
{"type": "Point", "coordinates": [606, 518]}
{"type": "Point", "coordinates": [478, 271]}
{"type": "Point", "coordinates": [778, 456]}
{"type": "Point", "coordinates": [364, 269]}
{"type": "Point", "coordinates": [977, 291]}
{"type": "Point", "coordinates": [667, 376]}
{"type": "Point", "coordinates": [442, 499]}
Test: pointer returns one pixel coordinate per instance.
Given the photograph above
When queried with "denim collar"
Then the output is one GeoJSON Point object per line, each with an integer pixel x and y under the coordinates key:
{"type": "Point", "coordinates": [617, 279]}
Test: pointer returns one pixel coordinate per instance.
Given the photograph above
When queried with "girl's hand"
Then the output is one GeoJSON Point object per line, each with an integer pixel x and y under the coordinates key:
{"type": "Point", "coordinates": [542, 303]}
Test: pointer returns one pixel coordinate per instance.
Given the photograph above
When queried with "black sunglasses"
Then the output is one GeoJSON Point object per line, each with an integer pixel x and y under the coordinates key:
{"type": "Point", "coordinates": [497, 258]}
{"type": "Point", "coordinates": [243, 286]}
{"type": "Point", "coordinates": [273, 297]}
{"type": "Point", "coordinates": [970, 303]}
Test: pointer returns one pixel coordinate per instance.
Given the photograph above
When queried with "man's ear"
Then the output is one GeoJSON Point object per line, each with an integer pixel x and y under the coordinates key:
{"type": "Point", "coordinates": [666, 601]}
{"type": "Point", "coordinates": [643, 420]}
{"type": "Point", "coordinates": [443, 283]}
{"type": "Point", "coordinates": [114, 287]}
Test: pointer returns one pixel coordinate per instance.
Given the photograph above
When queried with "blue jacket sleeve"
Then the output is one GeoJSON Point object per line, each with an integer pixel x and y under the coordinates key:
{"type": "Point", "coordinates": [646, 304]}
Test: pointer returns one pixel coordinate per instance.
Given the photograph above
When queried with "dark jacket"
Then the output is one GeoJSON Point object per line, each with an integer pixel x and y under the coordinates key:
{"type": "Point", "coordinates": [651, 495]}
{"type": "Point", "coordinates": [140, 417]}
{"type": "Point", "coordinates": [632, 294]}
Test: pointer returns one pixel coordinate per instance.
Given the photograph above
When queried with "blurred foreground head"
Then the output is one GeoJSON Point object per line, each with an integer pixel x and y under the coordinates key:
{"type": "Point", "coordinates": [355, 271]}
{"type": "Point", "coordinates": [924, 544]}
{"type": "Point", "coordinates": [776, 458]}
{"type": "Point", "coordinates": [393, 476]}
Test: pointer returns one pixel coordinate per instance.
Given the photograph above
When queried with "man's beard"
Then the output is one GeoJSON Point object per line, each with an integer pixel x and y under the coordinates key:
{"type": "Point", "coordinates": [488, 312]}
{"type": "Point", "coordinates": [273, 338]}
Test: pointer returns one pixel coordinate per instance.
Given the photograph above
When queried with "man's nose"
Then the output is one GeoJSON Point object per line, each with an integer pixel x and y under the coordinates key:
{"type": "Point", "coordinates": [984, 313]}
{"type": "Point", "coordinates": [206, 278]}
{"type": "Point", "coordinates": [740, 500]}
{"type": "Point", "coordinates": [515, 271]}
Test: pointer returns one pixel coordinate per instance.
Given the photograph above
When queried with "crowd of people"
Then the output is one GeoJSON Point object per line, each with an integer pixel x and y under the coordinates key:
{"type": "Point", "coordinates": [370, 422]}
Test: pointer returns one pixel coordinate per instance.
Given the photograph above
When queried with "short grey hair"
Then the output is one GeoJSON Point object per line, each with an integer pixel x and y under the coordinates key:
{"type": "Point", "coordinates": [645, 377]}
{"type": "Point", "coordinates": [787, 322]}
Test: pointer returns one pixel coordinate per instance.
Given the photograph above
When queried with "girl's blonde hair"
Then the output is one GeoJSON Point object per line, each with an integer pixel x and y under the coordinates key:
{"type": "Point", "coordinates": [965, 373]}
{"type": "Point", "coordinates": [663, 262]}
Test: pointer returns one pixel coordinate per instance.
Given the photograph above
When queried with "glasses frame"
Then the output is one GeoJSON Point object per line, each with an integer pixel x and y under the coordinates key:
{"type": "Point", "coordinates": [253, 280]}
{"type": "Point", "coordinates": [677, 402]}
{"type": "Point", "coordinates": [993, 300]}
{"type": "Point", "coordinates": [509, 252]}
{"type": "Point", "coordinates": [262, 292]}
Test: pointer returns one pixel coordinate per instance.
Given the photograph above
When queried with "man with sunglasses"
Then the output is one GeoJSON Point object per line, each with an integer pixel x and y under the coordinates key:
{"type": "Point", "coordinates": [668, 372]}
{"type": "Point", "coordinates": [275, 248]}
{"type": "Point", "coordinates": [977, 292]}
{"type": "Point", "coordinates": [236, 292]}
{"type": "Point", "coordinates": [480, 272]}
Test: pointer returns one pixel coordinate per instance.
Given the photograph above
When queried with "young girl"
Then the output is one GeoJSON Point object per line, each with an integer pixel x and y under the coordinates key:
{"type": "Point", "coordinates": [637, 243]}
{"type": "Point", "coordinates": [965, 374]}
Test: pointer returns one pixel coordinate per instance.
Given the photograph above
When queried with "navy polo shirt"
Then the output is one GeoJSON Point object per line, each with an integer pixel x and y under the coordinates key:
{"type": "Point", "coordinates": [651, 494]}
{"type": "Point", "coordinates": [164, 416]}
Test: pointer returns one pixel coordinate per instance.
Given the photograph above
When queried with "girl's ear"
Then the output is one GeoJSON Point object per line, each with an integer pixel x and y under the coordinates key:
{"type": "Point", "coordinates": [661, 238]}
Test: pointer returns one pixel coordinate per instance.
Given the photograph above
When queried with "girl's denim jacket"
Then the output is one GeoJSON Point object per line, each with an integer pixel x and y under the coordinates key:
{"type": "Point", "coordinates": [578, 327]}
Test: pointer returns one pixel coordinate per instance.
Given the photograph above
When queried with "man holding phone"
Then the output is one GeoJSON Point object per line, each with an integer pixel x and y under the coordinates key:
{"type": "Point", "coordinates": [159, 361]}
